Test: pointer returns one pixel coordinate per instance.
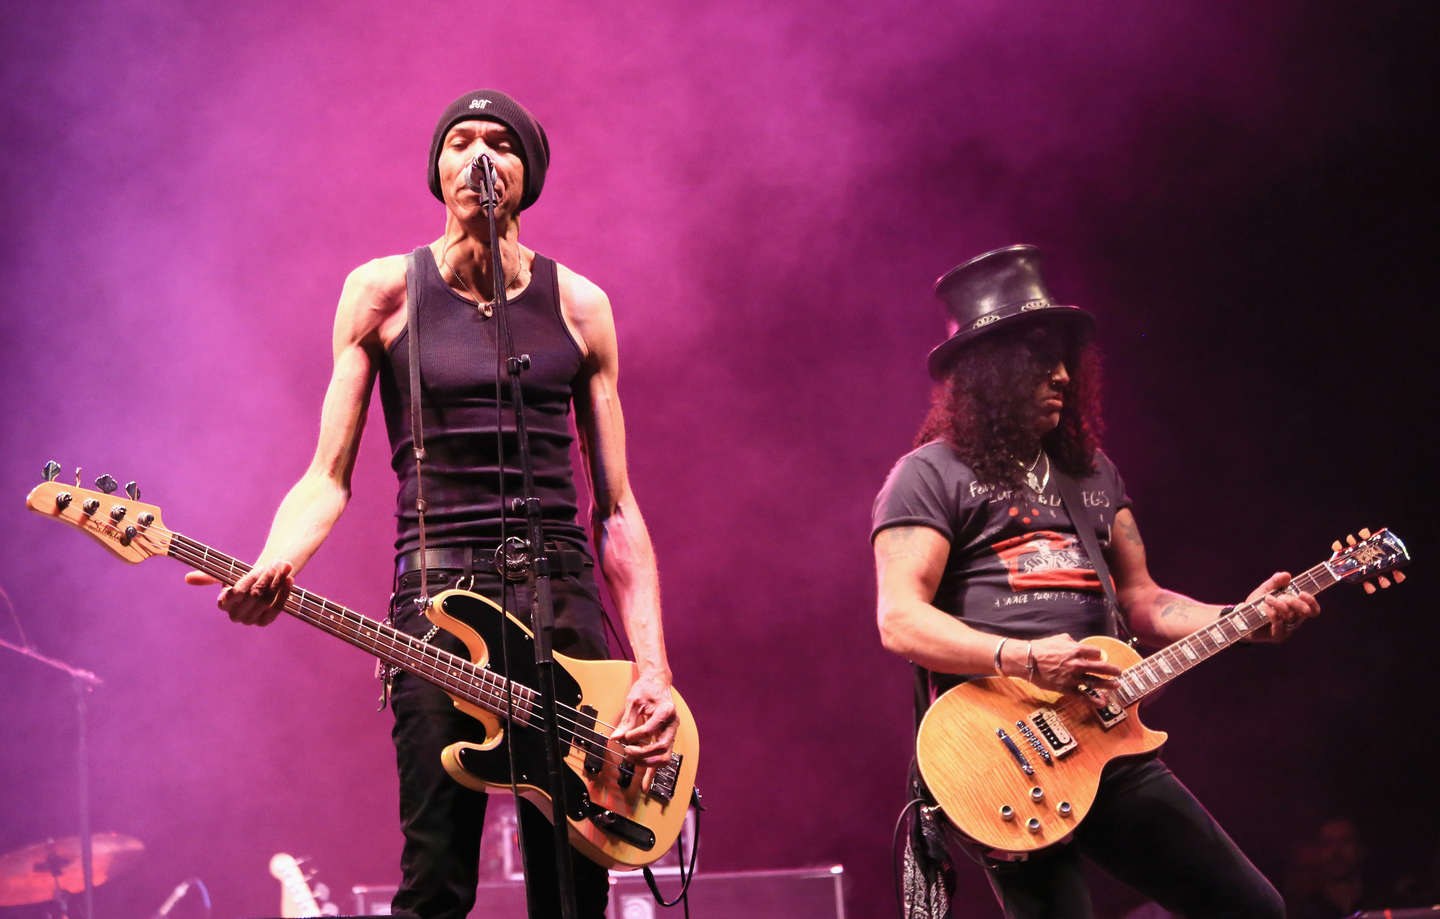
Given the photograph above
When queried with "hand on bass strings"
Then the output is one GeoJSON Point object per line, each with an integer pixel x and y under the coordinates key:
{"type": "Point", "coordinates": [647, 729]}
{"type": "Point", "coordinates": [1286, 611]}
{"type": "Point", "coordinates": [257, 598]}
{"type": "Point", "coordinates": [1062, 665]}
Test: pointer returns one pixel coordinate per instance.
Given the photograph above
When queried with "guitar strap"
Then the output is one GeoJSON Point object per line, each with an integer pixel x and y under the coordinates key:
{"type": "Point", "coordinates": [1084, 524]}
{"type": "Point", "coordinates": [417, 429]}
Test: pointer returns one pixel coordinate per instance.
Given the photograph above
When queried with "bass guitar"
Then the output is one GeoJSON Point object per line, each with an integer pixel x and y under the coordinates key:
{"type": "Point", "coordinates": [1016, 768]}
{"type": "Point", "coordinates": [616, 817]}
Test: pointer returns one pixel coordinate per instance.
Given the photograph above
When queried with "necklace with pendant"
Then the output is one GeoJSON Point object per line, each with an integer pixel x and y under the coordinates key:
{"type": "Point", "coordinates": [1036, 483]}
{"type": "Point", "coordinates": [487, 308]}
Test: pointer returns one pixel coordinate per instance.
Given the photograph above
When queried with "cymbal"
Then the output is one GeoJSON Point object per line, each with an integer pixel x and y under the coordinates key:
{"type": "Point", "coordinates": [28, 875]}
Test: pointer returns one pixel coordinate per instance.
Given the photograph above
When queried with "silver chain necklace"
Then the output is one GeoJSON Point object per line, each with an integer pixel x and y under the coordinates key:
{"type": "Point", "coordinates": [1036, 483]}
{"type": "Point", "coordinates": [487, 308]}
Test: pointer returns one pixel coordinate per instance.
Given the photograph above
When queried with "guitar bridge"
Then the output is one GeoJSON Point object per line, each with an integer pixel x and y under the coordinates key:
{"type": "Point", "coordinates": [662, 785]}
{"type": "Point", "coordinates": [1049, 725]}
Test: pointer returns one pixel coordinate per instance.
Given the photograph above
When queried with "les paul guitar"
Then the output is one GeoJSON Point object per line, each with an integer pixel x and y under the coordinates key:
{"type": "Point", "coordinates": [615, 818]}
{"type": "Point", "coordinates": [1016, 768]}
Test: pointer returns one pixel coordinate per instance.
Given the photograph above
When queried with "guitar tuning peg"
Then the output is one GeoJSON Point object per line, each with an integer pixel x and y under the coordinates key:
{"type": "Point", "coordinates": [133, 491]}
{"type": "Point", "coordinates": [77, 476]}
{"type": "Point", "coordinates": [1336, 546]}
{"type": "Point", "coordinates": [1350, 540]}
{"type": "Point", "coordinates": [107, 484]}
{"type": "Point", "coordinates": [52, 469]}
{"type": "Point", "coordinates": [1369, 587]}
{"type": "Point", "coordinates": [1399, 576]}
{"type": "Point", "coordinates": [1384, 582]}
{"type": "Point", "coordinates": [1364, 534]}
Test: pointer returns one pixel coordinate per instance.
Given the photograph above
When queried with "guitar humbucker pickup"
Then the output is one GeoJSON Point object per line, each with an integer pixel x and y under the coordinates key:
{"type": "Point", "coordinates": [1050, 726]}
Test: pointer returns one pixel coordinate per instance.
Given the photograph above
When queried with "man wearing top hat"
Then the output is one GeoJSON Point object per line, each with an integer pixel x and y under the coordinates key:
{"type": "Point", "coordinates": [982, 571]}
{"type": "Point", "coordinates": [563, 322]}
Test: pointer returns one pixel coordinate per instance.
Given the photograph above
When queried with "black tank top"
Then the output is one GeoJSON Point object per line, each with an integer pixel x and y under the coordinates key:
{"type": "Point", "coordinates": [457, 380]}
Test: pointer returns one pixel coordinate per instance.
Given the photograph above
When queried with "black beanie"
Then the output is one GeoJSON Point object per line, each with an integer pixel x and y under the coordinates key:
{"type": "Point", "coordinates": [493, 105]}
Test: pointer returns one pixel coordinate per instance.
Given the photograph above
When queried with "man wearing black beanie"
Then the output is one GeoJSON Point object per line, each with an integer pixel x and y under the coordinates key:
{"type": "Point", "coordinates": [563, 323]}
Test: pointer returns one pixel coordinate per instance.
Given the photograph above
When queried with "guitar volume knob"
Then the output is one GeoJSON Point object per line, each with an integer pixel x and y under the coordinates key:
{"type": "Point", "coordinates": [1033, 824]}
{"type": "Point", "coordinates": [1007, 812]}
{"type": "Point", "coordinates": [1064, 809]}
{"type": "Point", "coordinates": [1037, 794]}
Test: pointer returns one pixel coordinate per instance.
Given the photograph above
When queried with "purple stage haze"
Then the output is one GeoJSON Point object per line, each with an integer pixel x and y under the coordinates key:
{"type": "Point", "coordinates": [766, 191]}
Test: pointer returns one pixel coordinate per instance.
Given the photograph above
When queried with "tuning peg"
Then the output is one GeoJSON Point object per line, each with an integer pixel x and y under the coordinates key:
{"type": "Point", "coordinates": [1399, 576]}
{"type": "Point", "coordinates": [1384, 582]}
{"type": "Point", "coordinates": [77, 476]}
{"type": "Point", "coordinates": [52, 469]}
{"type": "Point", "coordinates": [133, 491]}
{"type": "Point", "coordinates": [1350, 540]}
{"type": "Point", "coordinates": [1336, 546]}
{"type": "Point", "coordinates": [1369, 587]}
{"type": "Point", "coordinates": [107, 484]}
{"type": "Point", "coordinates": [1364, 534]}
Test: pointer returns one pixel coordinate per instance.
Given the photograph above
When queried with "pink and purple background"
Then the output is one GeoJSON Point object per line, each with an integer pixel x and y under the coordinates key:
{"type": "Point", "coordinates": [1241, 191]}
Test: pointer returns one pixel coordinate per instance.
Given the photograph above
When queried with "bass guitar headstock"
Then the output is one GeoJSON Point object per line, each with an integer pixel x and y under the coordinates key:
{"type": "Point", "coordinates": [130, 530]}
{"type": "Point", "coordinates": [1369, 559]}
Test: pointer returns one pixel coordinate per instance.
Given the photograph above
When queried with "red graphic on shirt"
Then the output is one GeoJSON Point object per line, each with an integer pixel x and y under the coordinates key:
{"type": "Point", "coordinates": [1044, 560]}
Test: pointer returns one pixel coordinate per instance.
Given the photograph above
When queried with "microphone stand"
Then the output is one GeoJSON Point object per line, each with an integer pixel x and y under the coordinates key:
{"type": "Point", "coordinates": [542, 609]}
{"type": "Point", "coordinates": [83, 681]}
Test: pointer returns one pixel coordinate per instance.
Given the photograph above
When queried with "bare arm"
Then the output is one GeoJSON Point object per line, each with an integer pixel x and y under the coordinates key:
{"type": "Point", "coordinates": [1159, 617]}
{"type": "Point", "coordinates": [908, 564]}
{"type": "Point", "coordinates": [626, 557]}
{"type": "Point", "coordinates": [370, 298]}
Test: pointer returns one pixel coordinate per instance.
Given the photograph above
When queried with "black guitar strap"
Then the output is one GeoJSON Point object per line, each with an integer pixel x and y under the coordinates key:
{"type": "Point", "coordinates": [417, 429]}
{"type": "Point", "coordinates": [1084, 524]}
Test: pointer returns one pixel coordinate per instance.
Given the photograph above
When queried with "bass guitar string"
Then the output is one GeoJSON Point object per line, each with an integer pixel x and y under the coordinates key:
{"type": "Point", "coordinates": [447, 671]}
{"type": "Point", "coordinates": [451, 671]}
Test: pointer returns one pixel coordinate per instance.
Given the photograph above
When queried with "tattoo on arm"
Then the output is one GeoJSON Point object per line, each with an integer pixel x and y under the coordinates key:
{"type": "Point", "coordinates": [1126, 529]}
{"type": "Point", "coordinates": [1176, 606]}
{"type": "Point", "coordinates": [900, 543]}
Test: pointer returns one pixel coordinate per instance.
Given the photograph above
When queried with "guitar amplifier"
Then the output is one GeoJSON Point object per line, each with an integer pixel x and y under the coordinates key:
{"type": "Point", "coordinates": [805, 893]}
{"type": "Point", "coordinates": [498, 899]}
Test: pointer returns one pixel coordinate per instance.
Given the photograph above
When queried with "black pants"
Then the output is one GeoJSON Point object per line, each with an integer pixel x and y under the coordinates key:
{"type": "Point", "coordinates": [1147, 831]}
{"type": "Point", "coordinates": [441, 818]}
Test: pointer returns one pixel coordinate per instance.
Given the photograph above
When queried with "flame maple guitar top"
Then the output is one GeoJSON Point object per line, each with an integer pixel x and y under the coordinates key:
{"type": "Point", "coordinates": [973, 774]}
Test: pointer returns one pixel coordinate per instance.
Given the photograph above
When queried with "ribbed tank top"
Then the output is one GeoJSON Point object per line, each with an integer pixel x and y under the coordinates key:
{"type": "Point", "coordinates": [457, 381]}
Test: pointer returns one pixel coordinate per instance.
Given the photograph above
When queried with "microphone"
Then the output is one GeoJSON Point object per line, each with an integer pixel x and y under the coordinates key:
{"type": "Point", "coordinates": [475, 180]}
{"type": "Point", "coordinates": [171, 900]}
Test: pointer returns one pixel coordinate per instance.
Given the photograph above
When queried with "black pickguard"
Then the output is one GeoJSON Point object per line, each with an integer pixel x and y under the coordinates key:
{"type": "Point", "coordinates": [493, 766]}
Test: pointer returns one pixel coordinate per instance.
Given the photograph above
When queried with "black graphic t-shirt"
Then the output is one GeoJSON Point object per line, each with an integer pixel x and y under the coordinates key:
{"type": "Point", "coordinates": [1016, 567]}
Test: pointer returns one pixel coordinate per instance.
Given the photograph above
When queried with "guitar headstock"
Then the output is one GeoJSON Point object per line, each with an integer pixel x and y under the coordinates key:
{"type": "Point", "coordinates": [130, 530]}
{"type": "Point", "coordinates": [1369, 559]}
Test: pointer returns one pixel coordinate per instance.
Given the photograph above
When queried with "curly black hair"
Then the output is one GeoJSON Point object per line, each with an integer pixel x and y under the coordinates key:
{"type": "Point", "coordinates": [985, 405]}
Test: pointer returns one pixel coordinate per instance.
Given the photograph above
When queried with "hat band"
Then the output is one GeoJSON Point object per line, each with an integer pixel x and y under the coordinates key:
{"type": "Point", "coordinates": [1010, 310]}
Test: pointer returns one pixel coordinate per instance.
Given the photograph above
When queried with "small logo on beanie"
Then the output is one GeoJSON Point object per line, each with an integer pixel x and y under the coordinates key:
{"type": "Point", "coordinates": [479, 103]}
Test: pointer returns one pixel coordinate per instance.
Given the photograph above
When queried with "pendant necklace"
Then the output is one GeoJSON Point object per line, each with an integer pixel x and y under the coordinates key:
{"type": "Point", "coordinates": [1036, 483]}
{"type": "Point", "coordinates": [487, 308]}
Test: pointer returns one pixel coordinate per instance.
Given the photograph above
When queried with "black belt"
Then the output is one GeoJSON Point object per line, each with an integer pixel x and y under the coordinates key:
{"type": "Point", "coordinates": [470, 559]}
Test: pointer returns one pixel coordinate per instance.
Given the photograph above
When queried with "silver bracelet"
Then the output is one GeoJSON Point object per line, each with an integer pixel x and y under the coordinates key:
{"type": "Point", "coordinates": [1030, 661]}
{"type": "Point", "coordinates": [998, 671]}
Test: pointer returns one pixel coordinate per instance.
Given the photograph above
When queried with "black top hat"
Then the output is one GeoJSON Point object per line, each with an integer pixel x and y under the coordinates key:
{"type": "Point", "coordinates": [997, 290]}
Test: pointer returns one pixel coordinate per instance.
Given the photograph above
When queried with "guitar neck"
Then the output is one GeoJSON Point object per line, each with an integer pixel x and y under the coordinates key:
{"type": "Point", "coordinates": [452, 673]}
{"type": "Point", "coordinates": [1163, 666]}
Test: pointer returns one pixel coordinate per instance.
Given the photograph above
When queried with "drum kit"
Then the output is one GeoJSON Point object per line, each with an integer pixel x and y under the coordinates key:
{"type": "Point", "coordinates": [51, 870]}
